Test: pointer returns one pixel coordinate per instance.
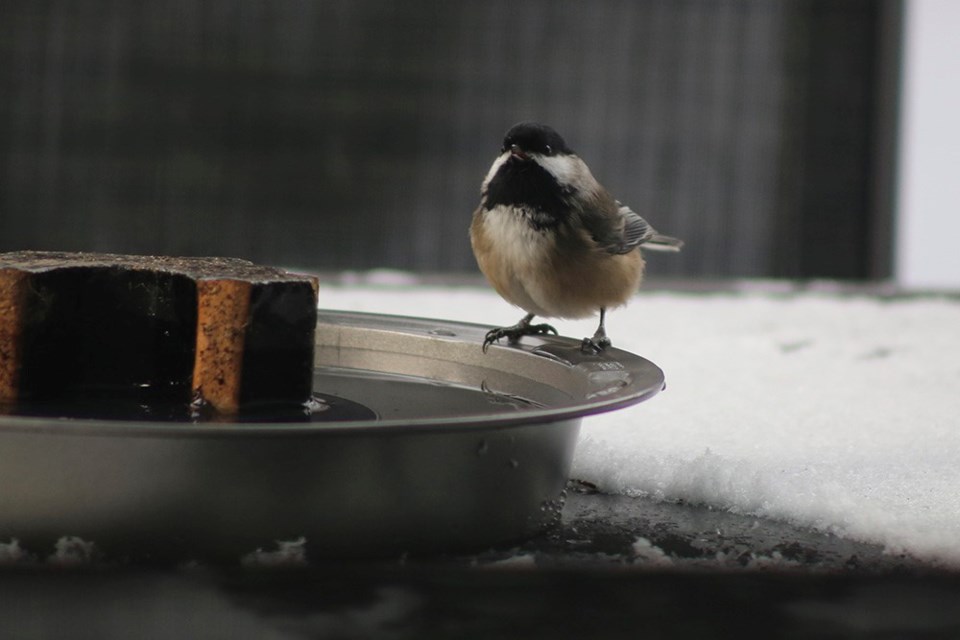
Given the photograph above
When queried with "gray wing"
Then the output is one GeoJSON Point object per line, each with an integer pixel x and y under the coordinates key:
{"type": "Point", "coordinates": [630, 232]}
{"type": "Point", "coordinates": [637, 231]}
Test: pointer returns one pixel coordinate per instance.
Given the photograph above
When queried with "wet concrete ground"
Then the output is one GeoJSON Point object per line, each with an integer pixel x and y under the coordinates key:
{"type": "Point", "coordinates": [598, 530]}
{"type": "Point", "coordinates": [614, 567]}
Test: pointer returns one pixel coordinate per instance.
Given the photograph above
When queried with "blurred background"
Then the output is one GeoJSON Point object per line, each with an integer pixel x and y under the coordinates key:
{"type": "Point", "coordinates": [354, 134]}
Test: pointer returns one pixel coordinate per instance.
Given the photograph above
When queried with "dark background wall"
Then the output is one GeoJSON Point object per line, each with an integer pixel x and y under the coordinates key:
{"type": "Point", "coordinates": [354, 133]}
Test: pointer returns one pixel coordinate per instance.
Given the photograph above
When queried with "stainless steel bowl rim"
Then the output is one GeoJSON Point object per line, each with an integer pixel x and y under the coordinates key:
{"type": "Point", "coordinates": [646, 381]}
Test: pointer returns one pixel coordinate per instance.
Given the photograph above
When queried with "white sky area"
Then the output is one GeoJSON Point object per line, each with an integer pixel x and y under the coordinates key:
{"type": "Point", "coordinates": [928, 229]}
{"type": "Point", "coordinates": [837, 413]}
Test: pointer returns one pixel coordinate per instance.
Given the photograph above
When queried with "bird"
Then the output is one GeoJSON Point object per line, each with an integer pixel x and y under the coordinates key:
{"type": "Point", "coordinates": [552, 240]}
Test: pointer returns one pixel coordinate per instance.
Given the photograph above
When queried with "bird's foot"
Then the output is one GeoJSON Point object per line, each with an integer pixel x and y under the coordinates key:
{"type": "Point", "coordinates": [515, 332]}
{"type": "Point", "coordinates": [595, 345]}
{"type": "Point", "coordinates": [599, 341]}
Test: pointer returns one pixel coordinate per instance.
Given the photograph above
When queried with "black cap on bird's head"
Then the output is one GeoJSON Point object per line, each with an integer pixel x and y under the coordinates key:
{"type": "Point", "coordinates": [532, 137]}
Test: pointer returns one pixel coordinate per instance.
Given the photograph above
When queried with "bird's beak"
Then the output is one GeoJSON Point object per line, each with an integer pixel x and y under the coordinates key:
{"type": "Point", "coordinates": [517, 153]}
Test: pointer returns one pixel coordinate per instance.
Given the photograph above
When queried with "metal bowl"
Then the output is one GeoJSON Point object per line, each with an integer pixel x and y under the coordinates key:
{"type": "Point", "coordinates": [452, 449]}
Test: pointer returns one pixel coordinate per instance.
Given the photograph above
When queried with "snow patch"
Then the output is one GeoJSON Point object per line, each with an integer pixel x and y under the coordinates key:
{"type": "Point", "coordinates": [835, 412]}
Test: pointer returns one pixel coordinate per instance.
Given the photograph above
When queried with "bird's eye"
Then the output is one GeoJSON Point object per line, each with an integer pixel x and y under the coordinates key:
{"type": "Point", "coordinates": [549, 150]}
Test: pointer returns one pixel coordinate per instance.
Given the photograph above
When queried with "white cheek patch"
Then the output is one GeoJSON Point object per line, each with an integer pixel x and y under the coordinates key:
{"type": "Point", "coordinates": [569, 170]}
{"type": "Point", "coordinates": [494, 168]}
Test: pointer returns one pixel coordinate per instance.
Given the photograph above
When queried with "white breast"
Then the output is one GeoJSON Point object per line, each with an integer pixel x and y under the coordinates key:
{"type": "Point", "coordinates": [520, 254]}
{"type": "Point", "coordinates": [519, 244]}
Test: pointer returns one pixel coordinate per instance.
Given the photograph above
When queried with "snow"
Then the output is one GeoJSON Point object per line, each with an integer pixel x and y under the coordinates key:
{"type": "Point", "coordinates": [650, 556]}
{"type": "Point", "coordinates": [68, 551]}
{"type": "Point", "coordinates": [72, 551]}
{"type": "Point", "coordinates": [289, 553]}
{"type": "Point", "coordinates": [836, 412]}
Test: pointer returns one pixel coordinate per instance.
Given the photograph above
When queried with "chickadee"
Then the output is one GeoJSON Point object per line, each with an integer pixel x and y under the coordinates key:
{"type": "Point", "coordinates": [552, 241]}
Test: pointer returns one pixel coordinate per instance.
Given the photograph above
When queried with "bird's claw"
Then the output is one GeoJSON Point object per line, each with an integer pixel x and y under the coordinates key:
{"type": "Point", "coordinates": [541, 329]}
{"type": "Point", "coordinates": [515, 332]}
{"type": "Point", "coordinates": [492, 336]}
{"type": "Point", "coordinates": [593, 346]}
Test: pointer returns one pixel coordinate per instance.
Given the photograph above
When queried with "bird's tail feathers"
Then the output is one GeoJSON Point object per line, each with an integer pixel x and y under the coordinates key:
{"type": "Point", "coordinates": [660, 242]}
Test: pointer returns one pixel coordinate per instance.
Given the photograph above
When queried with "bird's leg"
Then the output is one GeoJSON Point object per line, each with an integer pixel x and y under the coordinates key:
{"type": "Point", "coordinates": [513, 333]}
{"type": "Point", "coordinates": [599, 341]}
